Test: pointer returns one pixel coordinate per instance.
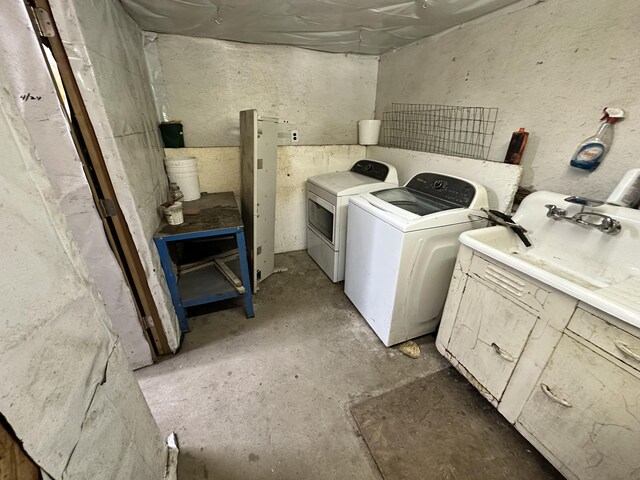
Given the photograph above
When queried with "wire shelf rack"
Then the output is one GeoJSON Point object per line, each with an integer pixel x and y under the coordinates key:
{"type": "Point", "coordinates": [445, 129]}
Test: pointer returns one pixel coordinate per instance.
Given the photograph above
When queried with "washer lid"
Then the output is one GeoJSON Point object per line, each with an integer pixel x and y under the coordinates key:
{"type": "Point", "coordinates": [354, 182]}
{"type": "Point", "coordinates": [406, 221]}
{"type": "Point", "coordinates": [428, 200]}
{"type": "Point", "coordinates": [347, 183]}
{"type": "Point", "coordinates": [414, 201]}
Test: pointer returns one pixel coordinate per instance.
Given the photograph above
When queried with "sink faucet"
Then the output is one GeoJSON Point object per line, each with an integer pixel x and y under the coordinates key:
{"type": "Point", "coordinates": [556, 213]}
{"type": "Point", "coordinates": [607, 224]}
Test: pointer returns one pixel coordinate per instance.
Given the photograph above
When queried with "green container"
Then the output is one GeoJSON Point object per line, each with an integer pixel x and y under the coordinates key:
{"type": "Point", "coordinates": [172, 134]}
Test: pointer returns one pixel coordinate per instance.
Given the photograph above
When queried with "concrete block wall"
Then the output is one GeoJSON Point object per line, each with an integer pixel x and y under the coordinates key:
{"type": "Point", "coordinates": [550, 68]}
{"type": "Point", "coordinates": [219, 171]}
{"type": "Point", "coordinates": [207, 82]}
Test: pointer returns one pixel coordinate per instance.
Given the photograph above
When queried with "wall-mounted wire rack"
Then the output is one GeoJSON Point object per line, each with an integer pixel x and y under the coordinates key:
{"type": "Point", "coordinates": [445, 129]}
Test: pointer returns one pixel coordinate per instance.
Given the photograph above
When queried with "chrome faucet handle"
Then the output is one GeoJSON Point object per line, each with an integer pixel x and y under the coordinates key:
{"type": "Point", "coordinates": [610, 225]}
{"type": "Point", "coordinates": [555, 212]}
{"type": "Point", "coordinates": [607, 225]}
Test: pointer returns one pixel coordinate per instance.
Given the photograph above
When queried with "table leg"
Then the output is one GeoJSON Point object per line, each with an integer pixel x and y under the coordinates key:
{"type": "Point", "coordinates": [244, 270]}
{"type": "Point", "coordinates": [172, 283]}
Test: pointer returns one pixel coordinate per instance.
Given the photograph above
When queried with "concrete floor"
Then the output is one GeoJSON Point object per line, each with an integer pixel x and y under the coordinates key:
{"type": "Point", "coordinates": [269, 397]}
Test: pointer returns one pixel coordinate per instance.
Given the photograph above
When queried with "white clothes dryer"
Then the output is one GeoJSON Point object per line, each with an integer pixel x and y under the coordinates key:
{"type": "Point", "coordinates": [327, 201]}
{"type": "Point", "coordinates": [401, 250]}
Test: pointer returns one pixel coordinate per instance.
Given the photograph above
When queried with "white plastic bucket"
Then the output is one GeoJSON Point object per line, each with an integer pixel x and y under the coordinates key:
{"type": "Point", "coordinates": [174, 214]}
{"type": "Point", "coordinates": [188, 183]}
{"type": "Point", "coordinates": [179, 161]}
{"type": "Point", "coordinates": [369, 132]}
{"type": "Point", "coordinates": [184, 172]}
{"type": "Point", "coordinates": [182, 169]}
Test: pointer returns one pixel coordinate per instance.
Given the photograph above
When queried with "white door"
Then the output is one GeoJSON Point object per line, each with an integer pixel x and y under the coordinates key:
{"type": "Point", "coordinates": [258, 152]}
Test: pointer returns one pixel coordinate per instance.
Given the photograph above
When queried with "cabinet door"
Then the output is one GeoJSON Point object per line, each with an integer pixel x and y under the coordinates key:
{"type": "Point", "coordinates": [258, 152]}
{"type": "Point", "coordinates": [489, 335]}
{"type": "Point", "coordinates": [586, 412]}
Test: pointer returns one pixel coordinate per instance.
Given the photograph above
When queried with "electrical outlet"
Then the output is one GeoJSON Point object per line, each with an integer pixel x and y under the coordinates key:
{"type": "Point", "coordinates": [295, 137]}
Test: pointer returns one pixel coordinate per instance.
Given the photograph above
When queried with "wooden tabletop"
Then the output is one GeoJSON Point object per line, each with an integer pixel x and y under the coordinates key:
{"type": "Point", "coordinates": [211, 212]}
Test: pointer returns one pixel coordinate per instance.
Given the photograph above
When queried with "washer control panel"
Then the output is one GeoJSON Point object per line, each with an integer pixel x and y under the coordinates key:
{"type": "Point", "coordinates": [372, 169]}
{"type": "Point", "coordinates": [450, 189]}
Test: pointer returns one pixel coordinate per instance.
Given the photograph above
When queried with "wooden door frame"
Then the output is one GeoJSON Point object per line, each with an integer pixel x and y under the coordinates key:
{"type": "Point", "coordinates": [97, 174]}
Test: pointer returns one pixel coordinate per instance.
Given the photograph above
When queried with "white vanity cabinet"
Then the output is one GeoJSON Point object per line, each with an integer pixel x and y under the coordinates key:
{"type": "Point", "coordinates": [585, 411]}
{"type": "Point", "coordinates": [496, 324]}
{"type": "Point", "coordinates": [487, 342]}
{"type": "Point", "coordinates": [566, 375]}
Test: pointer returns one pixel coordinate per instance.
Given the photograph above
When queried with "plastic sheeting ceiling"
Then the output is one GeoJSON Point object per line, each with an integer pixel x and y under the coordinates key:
{"type": "Point", "coordinates": [341, 26]}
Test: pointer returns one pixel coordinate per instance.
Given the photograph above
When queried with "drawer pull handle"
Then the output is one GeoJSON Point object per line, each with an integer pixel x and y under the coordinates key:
{"type": "Point", "coordinates": [503, 353]}
{"type": "Point", "coordinates": [624, 348]}
{"type": "Point", "coordinates": [553, 397]}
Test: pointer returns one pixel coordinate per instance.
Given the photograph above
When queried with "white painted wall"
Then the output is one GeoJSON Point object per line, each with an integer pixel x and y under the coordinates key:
{"type": "Point", "coordinates": [105, 48]}
{"type": "Point", "coordinates": [322, 95]}
{"type": "Point", "coordinates": [501, 180]}
{"type": "Point", "coordinates": [67, 389]}
{"type": "Point", "coordinates": [219, 171]}
{"type": "Point", "coordinates": [550, 68]}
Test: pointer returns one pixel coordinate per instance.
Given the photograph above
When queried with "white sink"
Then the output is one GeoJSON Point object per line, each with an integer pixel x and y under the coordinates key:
{"type": "Point", "coordinates": [599, 269]}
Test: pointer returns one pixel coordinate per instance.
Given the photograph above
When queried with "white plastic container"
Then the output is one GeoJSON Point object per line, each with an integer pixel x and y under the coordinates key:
{"type": "Point", "coordinates": [177, 162]}
{"type": "Point", "coordinates": [627, 192]}
{"type": "Point", "coordinates": [173, 214]}
{"type": "Point", "coordinates": [184, 172]}
{"type": "Point", "coordinates": [369, 132]}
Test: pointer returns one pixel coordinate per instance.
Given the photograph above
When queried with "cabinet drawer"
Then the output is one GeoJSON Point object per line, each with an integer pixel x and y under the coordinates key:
{"type": "Point", "coordinates": [489, 335]}
{"type": "Point", "coordinates": [510, 284]}
{"type": "Point", "coordinates": [585, 410]}
{"type": "Point", "coordinates": [610, 338]}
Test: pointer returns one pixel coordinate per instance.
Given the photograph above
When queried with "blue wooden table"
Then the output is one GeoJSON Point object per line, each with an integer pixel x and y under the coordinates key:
{"type": "Point", "coordinates": [213, 215]}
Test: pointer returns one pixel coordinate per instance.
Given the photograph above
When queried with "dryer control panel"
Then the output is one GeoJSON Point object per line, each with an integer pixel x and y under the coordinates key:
{"type": "Point", "coordinates": [443, 187]}
{"type": "Point", "coordinates": [372, 169]}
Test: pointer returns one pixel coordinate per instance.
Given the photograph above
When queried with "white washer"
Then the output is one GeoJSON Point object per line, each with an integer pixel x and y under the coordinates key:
{"type": "Point", "coordinates": [327, 201]}
{"type": "Point", "coordinates": [401, 249]}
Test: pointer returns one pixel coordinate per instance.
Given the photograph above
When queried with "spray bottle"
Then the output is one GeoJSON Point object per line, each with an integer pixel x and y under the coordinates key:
{"type": "Point", "coordinates": [591, 152]}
